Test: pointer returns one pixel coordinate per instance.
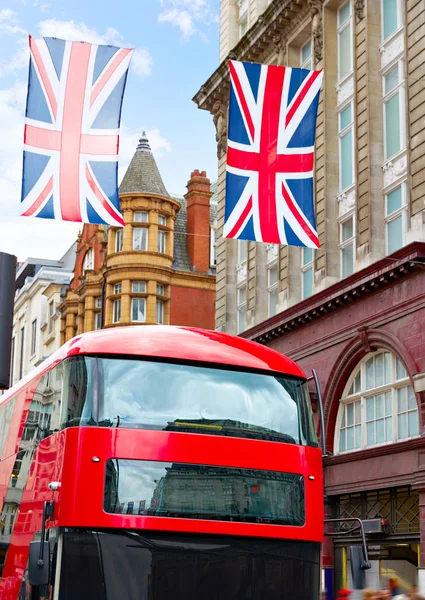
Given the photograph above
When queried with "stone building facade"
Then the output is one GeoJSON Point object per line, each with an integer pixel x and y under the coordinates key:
{"type": "Point", "coordinates": [159, 268]}
{"type": "Point", "coordinates": [352, 310]}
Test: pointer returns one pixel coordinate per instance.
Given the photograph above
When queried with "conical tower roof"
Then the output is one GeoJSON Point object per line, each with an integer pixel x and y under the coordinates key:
{"type": "Point", "coordinates": [142, 175]}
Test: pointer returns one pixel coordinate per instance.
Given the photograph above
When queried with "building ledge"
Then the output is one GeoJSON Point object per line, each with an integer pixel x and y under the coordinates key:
{"type": "Point", "coordinates": [380, 275]}
{"type": "Point", "coordinates": [377, 451]}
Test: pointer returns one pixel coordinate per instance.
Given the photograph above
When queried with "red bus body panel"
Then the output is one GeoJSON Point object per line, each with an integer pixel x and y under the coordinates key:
{"type": "Point", "coordinates": [67, 456]}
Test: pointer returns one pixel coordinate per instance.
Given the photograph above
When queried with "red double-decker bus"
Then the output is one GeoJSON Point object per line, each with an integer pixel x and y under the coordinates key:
{"type": "Point", "coordinates": [160, 463]}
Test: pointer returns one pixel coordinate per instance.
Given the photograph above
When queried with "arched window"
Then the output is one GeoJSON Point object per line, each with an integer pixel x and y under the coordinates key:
{"type": "Point", "coordinates": [88, 263]}
{"type": "Point", "coordinates": [378, 405]}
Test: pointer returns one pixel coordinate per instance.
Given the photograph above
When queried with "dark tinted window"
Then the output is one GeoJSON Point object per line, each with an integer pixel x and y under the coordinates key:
{"type": "Point", "coordinates": [134, 565]}
{"type": "Point", "coordinates": [185, 398]}
{"type": "Point", "coordinates": [204, 492]}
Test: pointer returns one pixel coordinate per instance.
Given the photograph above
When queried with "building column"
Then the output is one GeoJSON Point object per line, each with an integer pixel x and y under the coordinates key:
{"type": "Point", "coordinates": [327, 562]}
{"type": "Point", "coordinates": [70, 325]}
{"type": "Point", "coordinates": [89, 314]}
{"type": "Point", "coordinates": [125, 301]}
{"type": "Point", "coordinates": [151, 302]}
{"type": "Point", "coordinates": [421, 561]}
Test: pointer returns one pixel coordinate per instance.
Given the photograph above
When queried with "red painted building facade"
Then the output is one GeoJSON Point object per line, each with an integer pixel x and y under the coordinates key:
{"type": "Point", "coordinates": [365, 336]}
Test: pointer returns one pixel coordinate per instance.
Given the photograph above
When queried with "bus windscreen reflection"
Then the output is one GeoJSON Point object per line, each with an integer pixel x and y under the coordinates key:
{"type": "Point", "coordinates": [191, 491]}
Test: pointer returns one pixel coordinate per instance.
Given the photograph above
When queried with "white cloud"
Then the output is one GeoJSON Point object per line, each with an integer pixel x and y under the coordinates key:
{"type": "Point", "coordinates": [187, 15]}
{"type": "Point", "coordinates": [9, 21]}
{"type": "Point", "coordinates": [141, 62]}
{"type": "Point", "coordinates": [129, 141]}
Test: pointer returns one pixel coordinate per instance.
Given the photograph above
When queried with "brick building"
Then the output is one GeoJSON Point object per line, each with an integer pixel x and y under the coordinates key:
{"type": "Point", "coordinates": [159, 268]}
{"type": "Point", "coordinates": [352, 310]}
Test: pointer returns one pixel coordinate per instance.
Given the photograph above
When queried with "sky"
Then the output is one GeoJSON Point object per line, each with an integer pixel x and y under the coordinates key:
{"type": "Point", "coordinates": [176, 50]}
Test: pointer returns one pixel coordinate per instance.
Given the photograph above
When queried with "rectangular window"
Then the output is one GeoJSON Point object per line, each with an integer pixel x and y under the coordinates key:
{"type": "Point", "coordinates": [394, 110]}
{"type": "Point", "coordinates": [379, 421]}
{"type": "Point", "coordinates": [345, 41]}
{"type": "Point", "coordinates": [116, 311]}
{"type": "Point", "coordinates": [350, 436]}
{"type": "Point", "coordinates": [407, 413]}
{"type": "Point", "coordinates": [138, 287]}
{"type": "Point", "coordinates": [347, 246]}
{"type": "Point", "coordinates": [140, 238]}
{"type": "Point", "coordinates": [160, 290]}
{"type": "Point", "coordinates": [213, 249]}
{"type": "Point", "coordinates": [241, 308]}
{"type": "Point", "coordinates": [243, 17]}
{"type": "Point", "coordinates": [118, 288]}
{"type": "Point", "coordinates": [396, 219]}
{"type": "Point", "coordinates": [98, 320]}
{"type": "Point", "coordinates": [306, 56]}
{"type": "Point", "coordinates": [138, 309]}
{"type": "Point", "coordinates": [33, 336]}
{"type": "Point", "coordinates": [242, 250]}
{"type": "Point", "coordinates": [51, 315]}
{"type": "Point", "coordinates": [162, 220]}
{"type": "Point", "coordinates": [162, 242]}
{"type": "Point", "coordinates": [272, 289]}
{"type": "Point", "coordinates": [392, 17]}
{"type": "Point", "coordinates": [307, 271]}
{"type": "Point", "coordinates": [195, 491]}
{"type": "Point", "coordinates": [21, 353]}
{"type": "Point", "coordinates": [141, 216]}
{"type": "Point", "coordinates": [98, 302]}
{"type": "Point", "coordinates": [346, 147]}
{"type": "Point", "coordinates": [160, 312]}
{"type": "Point", "coordinates": [119, 235]}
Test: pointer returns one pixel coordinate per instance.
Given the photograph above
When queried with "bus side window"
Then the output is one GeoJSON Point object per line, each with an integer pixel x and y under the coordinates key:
{"type": "Point", "coordinates": [77, 392]}
{"type": "Point", "coordinates": [6, 414]}
{"type": "Point", "coordinates": [44, 414]}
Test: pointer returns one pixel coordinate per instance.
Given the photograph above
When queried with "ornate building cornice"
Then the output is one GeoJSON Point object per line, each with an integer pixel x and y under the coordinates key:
{"type": "Point", "coordinates": [382, 274]}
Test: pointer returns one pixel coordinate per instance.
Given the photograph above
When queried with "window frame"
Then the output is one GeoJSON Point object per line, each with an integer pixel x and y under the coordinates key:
{"type": "Point", "coordinates": [241, 306]}
{"type": "Point", "coordinates": [162, 220]}
{"type": "Point", "coordinates": [242, 256]}
{"type": "Point", "coordinates": [88, 261]}
{"type": "Point", "coordinates": [142, 219]}
{"type": "Point", "coordinates": [362, 395]}
{"type": "Point", "coordinates": [139, 300]}
{"type": "Point", "coordinates": [340, 29]}
{"type": "Point", "coordinates": [97, 321]}
{"type": "Point", "coordinates": [140, 291]}
{"type": "Point", "coordinates": [116, 310]}
{"type": "Point", "coordinates": [162, 241]}
{"type": "Point", "coordinates": [118, 288]}
{"type": "Point", "coordinates": [33, 337]}
{"type": "Point", "coordinates": [143, 237]}
{"type": "Point", "coordinates": [400, 212]}
{"type": "Point", "coordinates": [399, 90]}
{"type": "Point", "coordinates": [305, 267]}
{"type": "Point", "coordinates": [51, 315]}
{"type": "Point", "coordinates": [119, 240]}
{"type": "Point", "coordinates": [342, 133]}
{"type": "Point", "coordinates": [271, 288]}
{"type": "Point", "coordinates": [304, 63]}
{"type": "Point", "coordinates": [400, 21]}
{"type": "Point", "coordinates": [345, 244]}
{"type": "Point", "coordinates": [213, 247]}
{"type": "Point", "coordinates": [160, 304]}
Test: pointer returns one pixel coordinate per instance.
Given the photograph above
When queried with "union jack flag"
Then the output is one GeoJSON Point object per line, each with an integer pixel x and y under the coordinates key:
{"type": "Point", "coordinates": [270, 154]}
{"type": "Point", "coordinates": [71, 138]}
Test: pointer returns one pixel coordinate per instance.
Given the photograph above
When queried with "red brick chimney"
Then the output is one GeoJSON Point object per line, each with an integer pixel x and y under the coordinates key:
{"type": "Point", "coordinates": [198, 220]}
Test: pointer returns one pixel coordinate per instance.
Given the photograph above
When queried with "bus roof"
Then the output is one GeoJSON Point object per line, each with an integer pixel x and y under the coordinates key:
{"type": "Point", "coordinates": [164, 341]}
{"type": "Point", "coordinates": [184, 343]}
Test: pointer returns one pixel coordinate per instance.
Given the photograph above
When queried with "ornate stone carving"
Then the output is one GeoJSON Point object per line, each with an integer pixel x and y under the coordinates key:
{"type": "Point", "coordinates": [280, 43]}
{"type": "Point", "coordinates": [345, 91]}
{"type": "Point", "coordinates": [271, 251]}
{"type": "Point", "coordinates": [359, 9]}
{"type": "Point", "coordinates": [241, 271]}
{"type": "Point", "coordinates": [220, 121]}
{"type": "Point", "coordinates": [316, 8]}
{"type": "Point", "coordinates": [392, 49]}
{"type": "Point", "coordinates": [394, 169]}
{"type": "Point", "coordinates": [346, 201]}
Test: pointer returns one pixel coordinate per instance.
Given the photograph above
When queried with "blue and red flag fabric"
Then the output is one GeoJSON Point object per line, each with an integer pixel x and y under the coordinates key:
{"type": "Point", "coordinates": [71, 139]}
{"type": "Point", "coordinates": [270, 154]}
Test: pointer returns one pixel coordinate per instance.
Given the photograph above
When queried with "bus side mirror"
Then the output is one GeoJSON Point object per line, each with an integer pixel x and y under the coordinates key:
{"type": "Point", "coordinates": [39, 568]}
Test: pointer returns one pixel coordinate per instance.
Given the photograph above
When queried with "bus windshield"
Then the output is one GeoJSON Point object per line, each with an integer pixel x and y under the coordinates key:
{"type": "Point", "coordinates": [145, 394]}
